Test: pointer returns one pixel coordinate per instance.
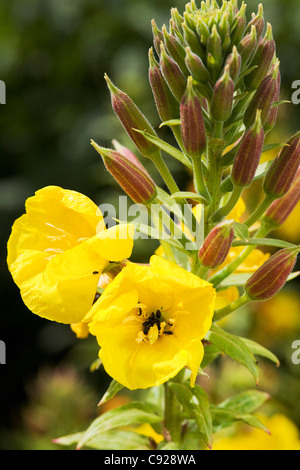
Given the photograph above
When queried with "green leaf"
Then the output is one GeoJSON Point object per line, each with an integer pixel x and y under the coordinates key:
{"type": "Point", "coordinates": [235, 348]}
{"type": "Point", "coordinates": [113, 389]}
{"type": "Point", "coordinates": [246, 402]}
{"type": "Point", "coordinates": [119, 440]}
{"type": "Point", "coordinates": [126, 415]}
{"type": "Point", "coordinates": [174, 152]}
{"type": "Point", "coordinates": [223, 418]}
{"type": "Point", "coordinates": [279, 103]}
{"type": "Point", "coordinates": [264, 242]}
{"type": "Point", "coordinates": [195, 405]}
{"type": "Point", "coordinates": [189, 195]}
{"type": "Point", "coordinates": [241, 230]}
{"type": "Point", "coordinates": [271, 147]}
{"type": "Point", "coordinates": [69, 439]}
{"type": "Point", "coordinates": [235, 280]}
{"type": "Point", "coordinates": [259, 350]}
{"type": "Point", "coordinates": [211, 352]}
{"type": "Point", "coordinates": [171, 122]}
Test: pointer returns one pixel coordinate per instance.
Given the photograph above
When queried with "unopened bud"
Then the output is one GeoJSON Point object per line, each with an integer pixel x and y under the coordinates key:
{"type": "Point", "coordinates": [222, 99]}
{"type": "Point", "coordinates": [192, 41]}
{"type": "Point", "coordinates": [175, 49]}
{"type": "Point", "coordinates": [132, 118]}
{"type": "Point", "coordinates": [239, 26]}
{"type": "Point", "coordinates": [282, 171]}
{"type": "Point", "coordinates": [216, 246]}
{"type": "Point", "coordinates": [136, 183]}
{"type": "Point", "coordinates": [249, 154]}
{"type": "Point", "coordinates": [166, 105]}
{"type": "Point", "coordinates": [127, 153]}
{"type": "Point", "coordinates": [172, 73]}
{"type": "Point", "coordinates": [280, 209]}
{"type": "Point", "coordinates": [262, 60]}
{"type": "Point", "coordinates": [271, 277]}
{"type": "Point", "coordinates": [257, 21]}
{"type": "Point", "coordinates": [214, 46]}
{"type": "Point", "coordinates": [263, 98]}
{"type": "Point", "coordinates": [247, 46]}
{"type": "Point", "coordinates": [192, 123]}
{"type": "Point", "coordinates": [158, 37]}
{"type": "Point", "coordinates": [234, 61]}
{"type": "Point", "coordinates": [196, 67]}
{"type": "Point", "coordinates": [272, 118]}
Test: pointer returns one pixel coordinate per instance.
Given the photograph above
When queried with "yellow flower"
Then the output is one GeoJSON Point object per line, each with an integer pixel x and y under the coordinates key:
{"type": "Point", "coordinates": [57, 251]}
{"type": "Point", "coordinates": [150, 321]}
{"type": "Point", "coordinates": [284, 435]}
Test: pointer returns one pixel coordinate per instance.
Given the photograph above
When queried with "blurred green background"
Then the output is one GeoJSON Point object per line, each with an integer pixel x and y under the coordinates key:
{"type": "Point", "coordinates": [53, 56]}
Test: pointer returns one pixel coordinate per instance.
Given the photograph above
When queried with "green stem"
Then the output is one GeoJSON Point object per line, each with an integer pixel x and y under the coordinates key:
{"type": "Point", "coordinates": [198, 177]}
{"type": "Point", "coordinates": [224, 312]}
{"type": "Point", "coordinates": [230, 205]}
{"type": "Point", "coordinates": [259, 212]}
{"type": "Point", "coordinates": [173, 418]}
{"type": "Point", "coordinates": [165, 174]}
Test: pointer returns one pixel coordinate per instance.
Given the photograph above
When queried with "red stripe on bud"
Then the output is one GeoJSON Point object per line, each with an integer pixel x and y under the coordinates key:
{"type": "Point", "coordinates": [136, 182]}
{"type": "Point", "coordinates": [216, 246]}
{"type": "Point", "coordinates": [271, 277]}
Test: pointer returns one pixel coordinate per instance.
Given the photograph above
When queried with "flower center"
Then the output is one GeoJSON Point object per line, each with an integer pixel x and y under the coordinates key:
{"type": "Point", "coordinates": [153, 325]}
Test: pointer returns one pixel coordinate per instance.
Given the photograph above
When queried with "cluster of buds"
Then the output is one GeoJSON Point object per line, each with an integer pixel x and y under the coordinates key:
{"type": "Point", "coordinates": [215, 79]}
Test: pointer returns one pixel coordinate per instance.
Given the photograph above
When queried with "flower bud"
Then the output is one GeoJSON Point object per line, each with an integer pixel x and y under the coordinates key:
{"type": "Point", "coordinates": [196, 67]}
{"type": "Point", "coordinates": [158, 37]}
{"type": "Point", "coordinates": [263, 98]}
{"type": "Point", "coordinates": [216, 246]}
{"type": "Point", "coordinates": [222, 99]}
{"type": "Point", "coordinates": [272, 118]}
{"type": "Point", "coordinates": [192, 123]}
{"type": "Point", "coordinates": [132, 118]}
{"type": "Point", "coordinates": [234, 61]}
{"type": "Point", "coordinates": [280, 209]}
{"type": "Point", "coordinates": [247, 46]}
{"type": "Point", "coordinates": [239, 26]}
{"type": "Point", "coordinates": [282, 171]}
{"type": "Point", "coordinates": [249, 153]}
{"type": "Point", "coordinates": [258, 22]}
{"type": "Point", "coordinates": [175, 49]}
{"type": "Point", "coordinates": [262, 60]}
{"type": "Point", "coordinates": [166, 105]}
{"type": "Point", "coordinates": [136, 182]}
{"type": "Point", "coordinates": [127, 153]}
{"type": "Point", "coordinates": [192, 41]}
{"type": "Point", "coordinates": [172, 73]}
{"type": "Point", "coordinates": [271, 277]}
{"type": "Point", "coordinates": [214, 46]}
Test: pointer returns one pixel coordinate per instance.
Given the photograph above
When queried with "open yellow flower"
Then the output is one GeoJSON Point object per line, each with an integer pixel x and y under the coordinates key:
{"type": "Point", "coordinates": [150, 321]}
{"type": "Point", "coordinates": [57, 251]}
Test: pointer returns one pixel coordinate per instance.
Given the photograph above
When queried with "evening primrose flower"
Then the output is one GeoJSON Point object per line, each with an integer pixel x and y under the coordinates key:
{"type": "Point", "coordinates": [150, 321]}
{"type": "Point", "coordinates": [58, 250]}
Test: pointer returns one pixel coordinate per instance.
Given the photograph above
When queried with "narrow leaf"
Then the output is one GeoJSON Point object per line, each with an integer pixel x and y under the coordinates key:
{"type": "Point", "coordinates": [241, 230]}
{"type": "Point", "coordinates": [113, 389]}
{"type": "Point", "coordinates": [246, 402]}
{"type": "Point", "coordinates": [235, 348]}
{"type": "Point", "coordinates": [264, 242]}
{"type": "Point", "coordinates": [189, 195]}
{"type": "Point", "coordinates": [259, 350]}
{"type": "Point", "coordinates": [223, 418]}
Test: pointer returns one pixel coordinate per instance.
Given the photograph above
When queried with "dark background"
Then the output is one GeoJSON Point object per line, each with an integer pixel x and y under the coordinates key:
{"type": "Point", "coordinates": [53, 56]}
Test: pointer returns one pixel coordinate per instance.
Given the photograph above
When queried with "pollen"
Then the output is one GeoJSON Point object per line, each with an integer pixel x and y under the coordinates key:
{"type": "Point", "coordinates": [153, 334]}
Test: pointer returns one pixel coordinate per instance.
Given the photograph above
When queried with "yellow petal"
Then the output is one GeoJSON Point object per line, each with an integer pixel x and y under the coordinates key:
{"type": "Point", "coordinates": [115, 243]}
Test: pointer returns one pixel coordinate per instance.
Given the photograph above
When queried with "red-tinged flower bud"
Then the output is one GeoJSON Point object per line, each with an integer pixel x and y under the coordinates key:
{"type": "Point", "coordinates": [158, 37]}
{"type": "Point", "coordinates": [239, 26]}
{"type": "Point", "coordinates": [263, 98]}
{"type": "Point", "coordinates": [249, 153]}
{"type": "Point", "coordinates": [172, 73]}
{"type": "Point", "coordinates": [280, 209]}
{"type": "Point", "coordinates": [247, 46]}
{"type": "Point", "coordinates": [234, 61]}
{"type": "Point", "coordinates": [271, 277]}
{"type": "Point", "coordinates": [196, 67]}
{"type": "Point", "coordinates": [222, 99]}
{"type": "Point", "coordinates": [262, 60]}
{"type": "Point", "coordinates": [132, 118]}
{"type": "Point", "coordinates": [128, 154]}
{"type": "Point", "coordinates": [282, 171]}
{"type": "Point", "coordinates": [192, 123]}
{"type": "Point", "coordinates": [216, 246]}
{"type": "Point", "coordinates": [166, 104]}
{"type": "Point", "coordinates": [257, 21]}
{"type": "Point", "coordinates": [272, 118]}
{"type": "Point", "coordinates": [136, 183]}
{"type": "Point", "coordinates": [175, 50]}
